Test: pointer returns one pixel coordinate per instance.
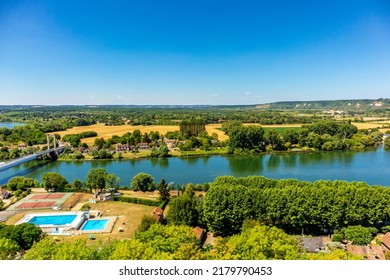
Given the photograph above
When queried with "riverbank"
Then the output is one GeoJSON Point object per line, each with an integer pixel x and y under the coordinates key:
{"type": "Point", "coordinates": [145, 154]}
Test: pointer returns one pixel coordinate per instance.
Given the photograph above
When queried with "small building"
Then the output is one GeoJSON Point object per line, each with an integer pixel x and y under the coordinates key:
{"type": "Point", "coordinates": [385, 239]}
{"type": "Point", "coordinates": [4, 193]}
{"type": "Point", "coordinates": [199, 233]}
{"type": "Point", "coordinates": [143, 146]}
{"type": "Point", "coordinates": [22, 146]}
{"type": "Point", "coordinates": [158, 214]}
{"type": "Point", "coordinates": [312, 244]}
{"type": "Point", "coordinates": [368, 252]}
{"type": "Point", "coordinates": [171, 143]}
{"type": "Point", "coordinates": [104, 196]}
{"type": "Point", "coordinates": [122, 147]}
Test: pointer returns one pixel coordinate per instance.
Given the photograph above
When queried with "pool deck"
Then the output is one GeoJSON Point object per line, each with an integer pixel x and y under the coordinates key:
{"type": "Point", "coordinates": [69, 229]}
{"type": "Point", "coordinates": [107, 229]}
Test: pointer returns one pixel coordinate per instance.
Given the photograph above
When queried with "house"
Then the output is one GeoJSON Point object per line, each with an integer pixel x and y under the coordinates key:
{"type": "Point", "coordinates": [312, 244]}
{"type": "Point", "coordinates": [143, 146]}
{"type": "Point", "coordinates": [199, 233]}
{"type": "Point", "coordinates": [123, 147]}
{"type": "Point", "coordinates": [104, 196]}
{"type": "Point", "coordinates": [385, 239]}
{"type": "Point", "coordinates": [4, 194]}
{"type": "Point", "coordinates": [368, 252]}
{"type": "Point", "coordinates": [158, 214]}
{"type": "Point", "coordinates": [22, 146]}
{"type": "Point", "coordinates": [171, 143]}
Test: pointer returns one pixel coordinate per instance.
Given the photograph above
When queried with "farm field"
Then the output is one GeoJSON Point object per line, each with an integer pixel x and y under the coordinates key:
{"type": "Point", "coordinates": [106, 132]}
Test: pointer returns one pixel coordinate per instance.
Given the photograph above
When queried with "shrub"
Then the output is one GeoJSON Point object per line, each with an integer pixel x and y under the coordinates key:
{"type": "Point", "coordinates": [137, 200]}
{"type": "Point", "coordinates": [337, 237]}
{"type": "Point", "coordinates": [385, 229]}
{"type": "Point", "coordinates": [358, 235]}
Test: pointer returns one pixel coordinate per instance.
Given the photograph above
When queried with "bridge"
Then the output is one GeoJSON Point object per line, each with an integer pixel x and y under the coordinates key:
{"type": "Point", "coordinates": [57, 150]}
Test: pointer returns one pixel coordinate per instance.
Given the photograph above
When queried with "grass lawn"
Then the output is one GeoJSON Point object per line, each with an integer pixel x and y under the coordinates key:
{"type": "Point", "coordinates": [129, 217]}
{"type": "Point", "coordinates": [281, 129]}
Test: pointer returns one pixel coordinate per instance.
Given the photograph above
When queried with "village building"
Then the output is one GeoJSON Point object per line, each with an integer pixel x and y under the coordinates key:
{"type": "Point", "coordinates": [104, 196]}
{"type": "Point", "coordinates": [4, 193]}
{"type": "Point", "coordinates": [368, 252]}
{"type": "Point", "coordinates": [312, 244]}
{"type": "Point", "coordinates": [199, 233]}
{"type": "Point", "coordinates": [158, 214]}
{"type": "Point", "coordinates": [143, 146]}
{"type": "Point", "coordinates": [385, 239]}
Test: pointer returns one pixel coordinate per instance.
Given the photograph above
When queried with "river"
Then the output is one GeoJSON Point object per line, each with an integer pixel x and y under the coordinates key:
{"type": "Point", "coordinates": [371, 166]}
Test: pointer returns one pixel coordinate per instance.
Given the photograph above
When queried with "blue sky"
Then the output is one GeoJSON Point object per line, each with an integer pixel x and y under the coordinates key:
{"type": "Point", "coordinates": [192, 52]}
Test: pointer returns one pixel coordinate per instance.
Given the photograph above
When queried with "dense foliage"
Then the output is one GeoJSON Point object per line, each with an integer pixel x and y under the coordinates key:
{"type": "Point", "coordinates": [293, 205]}
{"type": "Point", "coordinates": [174, 243]}
{"type": "Point", "coordinates": [323, 135]}
{"type": "Point", "coordinates": [358, 235]}
{"type": "Point", "coordinates": [52, 181]}
{"type": "Point", "coordinates": [183, 210]}
{"type": "Point", "coordinates": [23, 235]}
{"type": "Point", "coordinates": [143, 182]}
{"type": "Point", "coordinates": [192, 127]}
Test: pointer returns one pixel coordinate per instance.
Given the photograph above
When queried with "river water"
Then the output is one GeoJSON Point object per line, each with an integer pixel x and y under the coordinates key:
{"type": "Point", "coordinates": [371, 166]}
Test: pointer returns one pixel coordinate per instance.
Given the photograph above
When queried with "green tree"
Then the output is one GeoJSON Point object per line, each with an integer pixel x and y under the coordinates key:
{"type": "Point", "coordinates": [247, 138]}
{"type": "Point", "coordinates": [21, 183]}
{"type": "Point", "coordinates": [96, 179]}
{"type": "Point", "coordinates": [357, 234]}
{"type": "Point", "coordinates": [77, 184]}
{"type": "Point", "coordinates": [24, 234]}
{"type": "Point", "coordinates": [256, 243]}
{"type": "Point", "coordinates": [387, 143]}
{"type": "Point", "coordinates": [53, 181]}
{"type": "Point", "coordinates": [112, 181]}
{"type": "Point", "coordinates": [143, 182]}
{"type": "Point", "coordinates": [183, 209]}
{"type": "Point", "coordinates": [8, 248]}
{"type": "Point", "coordinates": [163, 190]}
{"type": "Point", "coordinates": [146, 222]}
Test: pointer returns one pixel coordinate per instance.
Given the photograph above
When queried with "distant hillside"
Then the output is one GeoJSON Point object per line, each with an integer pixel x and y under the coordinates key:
{"type": "Point", "coordinates": [352, 104]}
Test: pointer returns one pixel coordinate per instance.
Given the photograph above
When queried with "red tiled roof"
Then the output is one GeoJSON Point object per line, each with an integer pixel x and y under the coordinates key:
{"type": "Point", "coordinates": [158, 211]}
{"type": "Point", "coordinates": [386, 240]}
{"type": "Point", "coordinates": [198, 232]}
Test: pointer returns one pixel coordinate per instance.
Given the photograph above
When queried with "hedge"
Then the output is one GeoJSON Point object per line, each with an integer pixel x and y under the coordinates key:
{"type": "Point", "coordinates": [137, 200]}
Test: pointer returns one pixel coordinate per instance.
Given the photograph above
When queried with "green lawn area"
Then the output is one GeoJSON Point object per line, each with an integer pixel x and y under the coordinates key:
{"type": "Point", "coordinates": [281, 129]}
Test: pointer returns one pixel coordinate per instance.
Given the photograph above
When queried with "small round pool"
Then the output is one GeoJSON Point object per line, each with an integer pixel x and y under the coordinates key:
{"type": "Point", "coordinates": [95, 224]}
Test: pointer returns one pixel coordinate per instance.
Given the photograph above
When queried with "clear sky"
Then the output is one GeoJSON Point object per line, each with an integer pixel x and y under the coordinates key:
{"type": "Point", "coordinates": [193, 51]}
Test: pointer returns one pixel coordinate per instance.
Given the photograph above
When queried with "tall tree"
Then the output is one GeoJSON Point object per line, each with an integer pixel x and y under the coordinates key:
{"type": "Point", "coordinates": [143, 182]}
{"type": "Point", "coordinates": [183, 209]}
{"type": "Point", "coordinates": [96, 179]}
{"type": "Point", "coordinates": [163, 190]}
{"type": "Point", "coordinates": [53, 181]}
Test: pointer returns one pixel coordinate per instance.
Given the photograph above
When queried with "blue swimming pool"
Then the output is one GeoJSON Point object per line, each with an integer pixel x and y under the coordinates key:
{"type": "Point", "coordinates": [56, 220]}
{"type": "Point", "coordinates": [95, 224]}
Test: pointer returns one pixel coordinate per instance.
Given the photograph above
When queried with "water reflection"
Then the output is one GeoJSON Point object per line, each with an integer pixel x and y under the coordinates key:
{"type": "Point", "coordinates": [349, 165]}
{"type": "Point", "coordinates": [244, 166]}
{"type": "Point", "coordinates": [160, 162]}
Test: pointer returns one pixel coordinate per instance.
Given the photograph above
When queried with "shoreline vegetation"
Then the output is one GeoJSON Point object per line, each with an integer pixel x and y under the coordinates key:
{"type": "Point", "coordinates": [236, 211]}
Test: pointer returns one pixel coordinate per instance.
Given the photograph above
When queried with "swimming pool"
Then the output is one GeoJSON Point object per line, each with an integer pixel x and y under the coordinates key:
{"type": "Point", "coordinates": [56, 220]}
{"type": "Point", "coordinates": [95, 224]}
{"type": "Point", "coordinates": [70, 220]}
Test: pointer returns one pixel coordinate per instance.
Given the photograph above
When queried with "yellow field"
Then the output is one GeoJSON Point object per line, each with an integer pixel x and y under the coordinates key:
{"type": "Point", "coordinates": [107, 132]}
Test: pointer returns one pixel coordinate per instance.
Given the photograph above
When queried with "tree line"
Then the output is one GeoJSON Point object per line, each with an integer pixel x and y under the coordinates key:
{"type": "Point", "coordinates": [323, 135]}
{"type": "Point", "coordinates": [293, 205]}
